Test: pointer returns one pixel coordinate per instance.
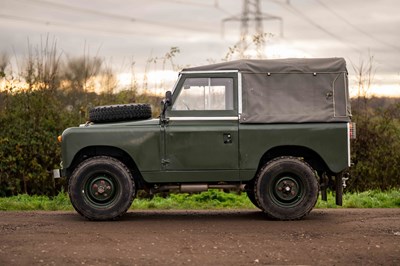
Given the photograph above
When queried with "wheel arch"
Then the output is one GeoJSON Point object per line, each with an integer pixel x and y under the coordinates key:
{"type": "Point", "coordinates": [114, 152]}
{"type": "Point", "coordinates": [309, 156]}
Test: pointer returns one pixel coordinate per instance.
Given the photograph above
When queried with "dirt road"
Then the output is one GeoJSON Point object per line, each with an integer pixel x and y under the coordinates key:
{"type": "Point", "coordinates": [243, 237]}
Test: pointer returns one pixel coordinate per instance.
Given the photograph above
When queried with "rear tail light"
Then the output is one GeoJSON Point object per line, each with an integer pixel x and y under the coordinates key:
{"type": "Point", "coordinates": [352, 130]}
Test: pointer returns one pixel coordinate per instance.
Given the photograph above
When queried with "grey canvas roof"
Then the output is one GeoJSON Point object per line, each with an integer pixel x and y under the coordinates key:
{"type": "Point", "coordinates": [290, 65]}
{"type": "Point", "coordinates": [291, 90]}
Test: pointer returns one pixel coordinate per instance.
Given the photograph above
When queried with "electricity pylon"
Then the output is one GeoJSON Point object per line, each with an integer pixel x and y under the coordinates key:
{"type": "Point", "coordinates": [251, 12]}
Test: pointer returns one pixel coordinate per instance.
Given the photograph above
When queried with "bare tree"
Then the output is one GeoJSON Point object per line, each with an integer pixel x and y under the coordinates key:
{"type": "Point", "coordinates": [79, 73]}
{"type": "Point", "coordinates": [42, 66]}
{"type": "Point", "coordinates": [364, 76]}
{"type": "Point", "coordinates": [108, 80]}
{"type": "Point", "coordinates": [79, 70]}
{"type": "Point", "coordinates": [4, 62]}
{"type": "Point", "coordinates": [238, 51]}
{"type": "Point", "coordinates": [169, 57]}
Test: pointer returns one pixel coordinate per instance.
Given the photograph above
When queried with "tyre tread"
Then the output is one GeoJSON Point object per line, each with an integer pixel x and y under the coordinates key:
{"type": "Point", "coordinates": [259, 175]}
{"type": "Point", "coordinates": [120, 112]}
{"type": "Point", "coordinates": [112, 160]}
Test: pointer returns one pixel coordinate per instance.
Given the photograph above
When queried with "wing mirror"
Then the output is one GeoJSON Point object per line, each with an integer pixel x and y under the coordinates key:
{"type": "Point", "coordinates": [167, 101]}
{"type": "Point", "coordinates": [168, 98]}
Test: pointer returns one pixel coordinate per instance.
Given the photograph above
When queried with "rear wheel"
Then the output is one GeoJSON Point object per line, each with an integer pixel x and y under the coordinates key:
{"type": "Point", "coordinates": [101, 188]}
{"type": "Point", "coordinates": [286, 188]}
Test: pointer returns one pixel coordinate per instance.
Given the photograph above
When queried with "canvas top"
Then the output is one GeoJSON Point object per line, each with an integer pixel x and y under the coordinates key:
{"type": "Point", "coordinates": [290, 90]}
{"type": "Point", "coordinates": [291, 65]}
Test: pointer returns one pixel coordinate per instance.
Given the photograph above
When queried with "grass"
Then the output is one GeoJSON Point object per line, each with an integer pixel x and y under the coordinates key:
{"type": "Point", "coordinates": [366, 199]}
{"type": "Point", "coordinates": [25, 202]}
{"type": "Point", "coordinates": [212, 199]}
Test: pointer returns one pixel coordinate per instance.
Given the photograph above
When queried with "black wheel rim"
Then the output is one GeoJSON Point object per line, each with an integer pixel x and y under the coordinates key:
{"type": "Point", "coordinates": [100, 190]}
{"type": "Point", "coordinates": [287, 190]}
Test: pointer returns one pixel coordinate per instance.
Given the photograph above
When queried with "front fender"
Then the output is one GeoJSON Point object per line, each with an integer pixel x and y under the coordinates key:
{"type": "Point", "coordinates": [141, 143]}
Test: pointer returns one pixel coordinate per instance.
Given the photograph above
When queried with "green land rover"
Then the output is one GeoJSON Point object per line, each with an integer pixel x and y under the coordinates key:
{"type": "Point", "coordinates": [279, 130]}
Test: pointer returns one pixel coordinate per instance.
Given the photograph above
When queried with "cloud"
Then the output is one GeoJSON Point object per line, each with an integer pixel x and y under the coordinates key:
{"type": "Point", "coordinates": [123, 30]}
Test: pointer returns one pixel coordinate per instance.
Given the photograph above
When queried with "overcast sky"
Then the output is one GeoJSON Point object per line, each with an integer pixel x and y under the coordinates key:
{"type": "Point", "coordinates": [123, 31]}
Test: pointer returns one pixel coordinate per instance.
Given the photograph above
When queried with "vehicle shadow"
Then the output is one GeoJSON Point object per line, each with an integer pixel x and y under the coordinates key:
{"type": "Point", "coordinates": [209, 215]}
{"type": "Point", "coordinates": [198, 215]}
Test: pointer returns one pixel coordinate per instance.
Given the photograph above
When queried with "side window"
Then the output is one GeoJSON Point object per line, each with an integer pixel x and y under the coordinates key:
{"type": "Point", "coordinates": [201, 94]}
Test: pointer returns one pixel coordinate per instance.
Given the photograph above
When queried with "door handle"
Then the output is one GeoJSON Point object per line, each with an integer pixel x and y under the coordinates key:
{"type": "Point", "coordinates": [227, 138]}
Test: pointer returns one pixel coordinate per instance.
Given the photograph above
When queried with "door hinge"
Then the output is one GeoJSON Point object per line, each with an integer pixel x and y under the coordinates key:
{"type": "Point", "coordinates": [165, 162]}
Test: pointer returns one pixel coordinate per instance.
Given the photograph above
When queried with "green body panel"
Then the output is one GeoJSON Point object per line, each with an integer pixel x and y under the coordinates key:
{"type": "Point", "coordinates": [141, 140]}
{"type": "Point", "coordinates": [199, 145]}
{"type": "Point", "coordinates": [328, 140]}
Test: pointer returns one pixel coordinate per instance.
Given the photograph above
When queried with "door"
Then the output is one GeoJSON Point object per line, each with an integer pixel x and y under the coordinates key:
{"type": "Point", "coordinates": [201, 137]}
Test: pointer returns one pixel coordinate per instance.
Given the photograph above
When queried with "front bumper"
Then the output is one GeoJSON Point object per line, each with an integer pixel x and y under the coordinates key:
{"type": "Point", "coordinates": [57, 173]}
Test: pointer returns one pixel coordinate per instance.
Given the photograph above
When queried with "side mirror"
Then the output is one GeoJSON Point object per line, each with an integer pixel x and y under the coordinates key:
{"type": "Point", "coordinates": [168, 98]}
{"type": "Point", "coordinates": [167, 101]}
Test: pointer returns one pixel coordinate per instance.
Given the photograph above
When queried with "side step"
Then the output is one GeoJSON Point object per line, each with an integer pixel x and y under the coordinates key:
{"type": "Point", "coordinates": [194, 188]}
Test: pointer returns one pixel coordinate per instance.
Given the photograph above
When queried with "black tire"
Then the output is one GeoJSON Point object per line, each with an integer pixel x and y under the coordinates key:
{"type": "Point", "coordinates": [251, 194]}
{"type": "Point", "coordinates": [286, 188]}
{"type": "Point", "coordinates": [101, 188]}
{"type": "Point", "coordinates": [122, 112]}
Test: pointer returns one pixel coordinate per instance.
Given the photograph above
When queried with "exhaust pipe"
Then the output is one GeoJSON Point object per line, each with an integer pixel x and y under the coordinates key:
{"type": "Point", "coordinates": [192, 188]}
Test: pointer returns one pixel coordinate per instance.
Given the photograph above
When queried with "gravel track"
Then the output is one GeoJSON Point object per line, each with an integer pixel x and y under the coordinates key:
{"type": "Point", "coordinates": [225, 237]}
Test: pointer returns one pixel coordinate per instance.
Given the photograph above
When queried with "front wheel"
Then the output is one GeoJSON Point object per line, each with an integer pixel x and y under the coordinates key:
{"type": "Point", "coordinates": [101, 188]}
{"type": "Point", "coordinates": [286, 188]}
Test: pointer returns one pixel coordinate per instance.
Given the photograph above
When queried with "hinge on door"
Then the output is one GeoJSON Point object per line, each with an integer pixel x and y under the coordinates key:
{"type": "Point", "coordinates": [164, 121]}
{"type": "Point", "coordinates": [165, 162]}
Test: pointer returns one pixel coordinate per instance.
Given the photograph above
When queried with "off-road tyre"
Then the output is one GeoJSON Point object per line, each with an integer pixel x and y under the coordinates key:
{"type": "Point", "coordinates": [286, 188]}
{"type": "Point", "coordinates": [101, 188]}
{"type": "Point", "coordinates": [251, 194]}
{"type": "Point", "coordinates": [121, 112]}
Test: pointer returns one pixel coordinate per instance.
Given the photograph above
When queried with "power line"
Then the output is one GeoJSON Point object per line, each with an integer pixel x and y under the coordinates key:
{"type": "Point", "coordinates": [80, 9]}
{"type": "Point", "coordinates": [186, 3]}
{"type": "Point", "coordinates": [64, 7]}
{"type": "Point", "coordinates": [69, 26]}
{"type": "Point", "coordinates": [303, 16]}
{"type": "Point", "coordinates": [295, 11]}
{"type": "Point", "coordinates": [345, 20]}
{"type": "Point", "coordinates": [204, 5]}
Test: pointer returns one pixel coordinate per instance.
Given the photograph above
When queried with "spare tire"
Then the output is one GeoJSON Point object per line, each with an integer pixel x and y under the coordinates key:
{"type": "Point", "coordinates": [120, 112]}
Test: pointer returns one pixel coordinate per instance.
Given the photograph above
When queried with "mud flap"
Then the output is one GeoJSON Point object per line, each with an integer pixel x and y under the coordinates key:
{"type": "Point", "coordinates": [324, 187]}
{"type": "Point", "coordinates": [339, 189]}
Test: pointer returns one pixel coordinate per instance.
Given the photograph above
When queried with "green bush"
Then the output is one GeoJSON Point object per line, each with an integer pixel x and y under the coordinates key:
{"type": "Point", "coordinates": [30, 123]}
{"type": "Point", "coordinates": [376, 151]}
